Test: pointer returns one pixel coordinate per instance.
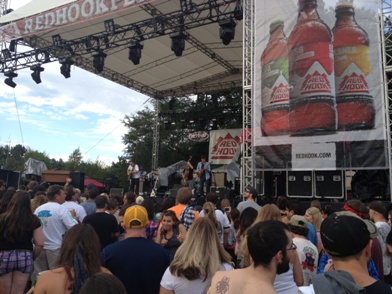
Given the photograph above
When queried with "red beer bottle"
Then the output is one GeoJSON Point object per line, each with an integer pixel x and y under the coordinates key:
{"type": "Point", "coordinates": [274, 83]}
{"type": "Point", "coordinates": [311, 74]}
{"type": "Point", "coordinates": [354, 102]}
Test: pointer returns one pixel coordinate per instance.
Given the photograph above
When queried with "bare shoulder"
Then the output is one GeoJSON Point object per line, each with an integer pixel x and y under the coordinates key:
{"type": "Point", "coordinates": [105, 270]}
{"type": "Point", "coordinates": [220, 283]}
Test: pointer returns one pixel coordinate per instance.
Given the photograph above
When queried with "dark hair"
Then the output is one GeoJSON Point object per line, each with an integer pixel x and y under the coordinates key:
{"type": "Point", "coordinates": [298, 230]}
{"type": "Point", "coordinates": [101, 201]}
{"type": "Point", "coordinates": [131, 197]}
{"type": "Point", "coordinates": [112, 204]}
{"type": "Point", "coordinates": [389, 238]}
{"type": "Point", "coordinates": [265, 239]}
{"type": "Point", "coordinates": [295, 206]}
{"type": "Point", "coordinates": [148, 204]}
{"type": "Point", "coordinates": [167, 203]}
{"type": "Point", "coordinates": [18, 218]}
{"type": "Point", "coordinates": [31, 185]}
{"type": "Point", "coordinates": [212, 197]}
{"type": "Point", "coordinates": [328, 209]}
{"type": "Point", "coordinates": [53, 191]}
{"type": "Point", "coordinates": [247, 218]}
{"type": "Point", "coordinates": [123, 209]}
{"type": "Point", "coordinates": [235, 217]}
{"type": "Point", "coordinates": [282, 202]}
{"type": "Point", "coordinates": [103, 283]}
{"type": "Point", "coordinates": [5, 200]}
{"type": "Point", "coordinates": [173, 216]}
{"type": "Point", "coordinates": [80, 251]}
{"type": "Point", "coordinates": [184, 195]}
{"type": "Point", "coordinates": [69, 192]}
{"type": "Point", "coordinates": [93, 193]}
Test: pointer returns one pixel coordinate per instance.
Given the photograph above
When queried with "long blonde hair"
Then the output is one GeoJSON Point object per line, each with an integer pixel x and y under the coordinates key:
{"type": "Point", "coordinates": [209, 212]}
{"type": "Point", "coordinates": [268, 212]}
{"type": "Point", "coordinates": [201, 255]}
{"type": "Point", "coordinates": [317, 217]}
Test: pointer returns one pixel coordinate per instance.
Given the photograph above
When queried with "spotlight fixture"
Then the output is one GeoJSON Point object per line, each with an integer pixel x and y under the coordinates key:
{"type": "Point", "coordinates": [227, 30]}
{"type": "Point", "coordinates": [10, 75]}
{"type": "Point", "coordinates": [65, 68]}
{"type": "Point", "coordinates": [186, 5]}
{"type": "Point", "coordinates": [6, 53]}
{"type": "Point", "coordinates": [238, 11]}
{"type": "Point", "coordinates": [57, 41]}
{"type": "Point", "coordinates": [36, 75]}
{"type": "Point", "coordinates": [12, 46]}
{"type": "Point", "coordinates": [109, 26]}
{"type": "Point", "coordinates": [99, 60]}
{"type": "Point", "coordinates": [177, 43]}
{"type": "Point", "coordinates": [135, 52]}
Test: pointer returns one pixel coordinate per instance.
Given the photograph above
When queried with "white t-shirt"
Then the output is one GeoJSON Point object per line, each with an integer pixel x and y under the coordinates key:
{"type": "Point", "coordinates": [308, 258]}
{"type": "Point", "coordinates": [181, 285]}
{"type": "Point", "coordinates": [222, 219]}
{"type": "Point", "coordinates": [79, 210]}
{"type": "Point", "coordinates": [133, 169]}
{"type": "Point", "coordinates": [383, 230]}
{"type": "Point", "coordinates": [56, 220]}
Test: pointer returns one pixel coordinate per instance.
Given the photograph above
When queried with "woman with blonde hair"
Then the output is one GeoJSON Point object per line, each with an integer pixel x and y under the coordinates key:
{"type": "Point", "coordinates": [268, 212]}
{"type": "Point", "coordinates": [313, 215]}
{"type": "Point", "coordinates": [190, 271]}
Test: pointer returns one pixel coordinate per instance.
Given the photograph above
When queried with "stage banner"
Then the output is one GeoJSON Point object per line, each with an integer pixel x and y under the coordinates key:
{"type": "Point", "coordinates": [65, 15]}
{"type": "Point", "coordinates": [224, 146]}
{"type": "Point", "coordinates": [318, 90]}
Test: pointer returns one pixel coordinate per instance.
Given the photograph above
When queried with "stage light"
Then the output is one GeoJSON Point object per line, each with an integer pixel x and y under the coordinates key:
{"type": "Point", "coordinates": [10, 75]}
{"type": "Point", "coordinates": [238, 11]}
{"type": "Point", "coordinates": [36, 75]}
{"type": "Point", "coordinates": [135, 52]}
{"type": "Point", "coordinates": [99, 60]}
{"type": "Point", "coordinates": [12, 46]}
{"type": "Point", "coordinates": [227, 30]}
{"type": "Point", "coordinates": [177, 43]}
{"type": "Point", "coordinates": [109, 26]}
{"type": "Point", "coordinates": [57, 41]}
{"type": "Point", "coordinates": [186, 5]}
{"type": "Point", "coordinates": [65, 68]}
{"type": "Point", "coordinates": [6, 53]}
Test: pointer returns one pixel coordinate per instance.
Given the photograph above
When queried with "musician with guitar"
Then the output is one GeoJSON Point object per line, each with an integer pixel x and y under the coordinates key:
{"type": "Point", "coordinates": [204, 172]}
{"type": "Point", "coordinates": [133, 173]}
{"type": "Point", "coordinates": [187, 175]}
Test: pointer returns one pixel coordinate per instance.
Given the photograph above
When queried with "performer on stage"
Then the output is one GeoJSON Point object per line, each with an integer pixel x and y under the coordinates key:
{"type": "Point", "coordinates": [187, 174]}
{"type": "Point", "coordinates": [134, 177]}
{"type": "Point", "coordinates": [204, 172]}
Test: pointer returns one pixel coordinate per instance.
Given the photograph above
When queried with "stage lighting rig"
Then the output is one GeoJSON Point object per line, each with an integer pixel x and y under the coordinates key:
{"type": "Point", "coordinates": [177, 43]}
{"type": "Point", "coordinates": [99, 60]}
{"type": "Point", "coordinates": [227, 30]}
{"type": "Point", "coordinates": [110, 27]}
{"type": "Point", "coordinates": [238, 11]}
{"type": "Point", "coordinates": [36, 75]}
{"type": "Point", "coordinates": [135, 52]}
{"type": "Point", "coordinates": [57, 41]}
{"type": "Point", "coordinates": [65, 68]}
{"type": "Point", "coordinates": [186, 5]}
{"type": "Point", "coordinates": [10, 75]}
{"type": "Point", "coordinates": [6, 53]}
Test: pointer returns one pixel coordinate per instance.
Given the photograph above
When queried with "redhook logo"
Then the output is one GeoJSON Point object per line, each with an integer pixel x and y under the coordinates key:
{"type": "Point", "coordinates": [354, 83]}
{"type": "Point", "coordinates": [225, 148]}
{"type": "Point", "coordinates": [198, 136]}
{"type": "Point", "coordinates": [316, 83]}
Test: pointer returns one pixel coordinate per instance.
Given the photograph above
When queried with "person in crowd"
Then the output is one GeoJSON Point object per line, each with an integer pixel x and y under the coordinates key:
{"type": "Point", "coordinates": [19, 230]}
{"type": "Point", "coordinates": [250, 197]}
{"type": "Point", "coordinates": [113, 207]}
{"type": "Point", "coordinates": [203, 170]}
{"type": "Point", "coordinates": [103, 283]}
{"type": "Point", "coordinates": [327, 210]}
{"type": "Point", "coordinates": [104, 224]}
{"type": "Point", "coordinates": [247, 218]}
{"type": "Point", "coordinates": [129, 198]}
{"type": "Point", "coordinates": [190, 270]}
{"type": "Point", "coordinates": [56, 220]}
{"type": "Point", "coordinates": [225, 207]}
{"type": "Point", "coordinates": [231, 239]}
{"type": "Point", "coordinates": [79, 259]}
{"type": "Point", "coordinates": [89, 206]}
{"type": "Point", "coordinates": [316, 203]}
{"type": "Point", "coordinates": [72, 204]}
{"type": "Point", "coordinates": [133, 173]}
{"type": "Point", "coordinates": [346, 238]}
{"type": "Point", "coordinates": [5, 200]}
{"type": "Point", "coordinates": [171, 233]}
{"type": "Point", "coordinates": [390, 218]}
{"type": "Point", "coordinates": [377, 212]}
{"type": "Point", "coordinates": [184, 212]}
{"type": "Point", "coordinates": [268, 212]}
{"type": "Point", "coordinates": [307, 251]}
{"type": "Point", "coordinates": [39, 199]}
{"type": "Point", "coordinates": [270, 246]}
{"type": "Point", "coordinates": [31, 186]}
{"type": "Point", "coordinates": [313, 215]}
{"type": "Point", "coordinates": [187, 174]}
{"type": "Point", "coordinates": [152, 228]}
{"type": "Point", "coordinates": [282, 203]}
{"type": "Point", "coordinates": [223, 221]}
{"type": "Point", "coordinates": [167, 203]}
{"type": "Point", "coordinates": [137, 262]}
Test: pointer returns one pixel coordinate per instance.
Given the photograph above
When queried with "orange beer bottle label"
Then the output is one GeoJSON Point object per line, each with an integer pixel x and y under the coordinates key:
{"type": "Point", "coordinates": [274, 83]}
{"type": "Point", "coordinates": [354, 102]}
{"type": "Point", "coordinates": [311, 74]}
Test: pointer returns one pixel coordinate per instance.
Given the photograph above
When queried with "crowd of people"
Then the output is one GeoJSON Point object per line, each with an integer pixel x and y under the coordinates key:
{"type": "Point", "coordinates": [56, 239]}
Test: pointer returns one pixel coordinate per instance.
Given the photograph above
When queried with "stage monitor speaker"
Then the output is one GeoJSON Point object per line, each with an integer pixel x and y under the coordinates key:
{"type": "Point", "coordinates": [173, 193]}
{"type": "Point", "coordinates": [77, 180]}
{"type": "Point", "coordinates": [13, 179]}
{"type": "Point", "coordinates": [274, 183]}
{"type": "Point", "coordinates": [329, 184]}
{"type": "Point", "coordinates": [219, 179]}
{"type": "Point", "coordinates": [300, 184]}
{"type": "Point", "coordinates": [117, 191]}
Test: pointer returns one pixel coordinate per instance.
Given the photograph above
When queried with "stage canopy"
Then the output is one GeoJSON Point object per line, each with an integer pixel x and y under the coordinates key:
{"type": "Point", "coordinates": [75, 31]}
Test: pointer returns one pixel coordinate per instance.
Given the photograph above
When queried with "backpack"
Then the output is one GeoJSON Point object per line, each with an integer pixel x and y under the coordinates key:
{"type": "Point", "coordinates": [187, 217]}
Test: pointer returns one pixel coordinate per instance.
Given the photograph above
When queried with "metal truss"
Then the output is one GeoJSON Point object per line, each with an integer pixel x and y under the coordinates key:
{"type": "Point", "coordinates": [386, 45]}
{"type": "Point", "coordinates": [155, 139]}
{"type": "Point", "coordinates": [247, 162]}
{"type": "Point", "coordinates": [179, 21]}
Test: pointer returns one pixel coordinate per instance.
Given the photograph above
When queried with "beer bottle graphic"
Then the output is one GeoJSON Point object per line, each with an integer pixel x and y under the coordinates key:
{"type": "Point", "coordinates": [274, 83]}
{"type": "Point", "coordinates": [354, 102]}
{"type": "Point", "coordinates": [311, 74]}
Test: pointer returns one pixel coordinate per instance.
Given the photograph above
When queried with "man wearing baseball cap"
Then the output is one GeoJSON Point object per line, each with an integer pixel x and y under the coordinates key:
{"type": "Point", "coordinates": [137, 262]}
{"type": "Point", "coordinates": [346, 238]}
{"type": "Point", "coordinates": [250, 196]}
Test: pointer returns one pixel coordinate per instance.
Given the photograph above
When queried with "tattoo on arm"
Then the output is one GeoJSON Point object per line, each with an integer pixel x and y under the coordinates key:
{"type": "Point", "coordinates": [223, 285]}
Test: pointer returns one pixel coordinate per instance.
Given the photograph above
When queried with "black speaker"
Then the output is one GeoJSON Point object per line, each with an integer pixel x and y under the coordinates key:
{"type": "Point", "coordinates": [10, 178]}
{"type": "Point", "coordinates": [77, 180]}
{"type": "Point", "coordinates": [173, 193]}
{"type": "Point", "coordinates": [329, 184]}
{"type": "Point", "coordinates": [274, 183]}
{"type": "Point", "coordinates": [300, 184]}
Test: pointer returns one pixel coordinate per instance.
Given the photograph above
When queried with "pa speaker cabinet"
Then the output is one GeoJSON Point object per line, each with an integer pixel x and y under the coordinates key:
{"type": "Point", "coordinates": [329, 184]}
{"type": "Point", "coordinates": [116, 191]}
{"type": "Point", "coordinates": [300, 184]}
{"type": "Point", "coordinates": [173, 193]}
{"type": "Point", "coordinates": [219, 179]}
{"type": "Point", "coordinates": [259, 182]}
{"type": "Point", "coordinates": [77, 180]}
{"type": "Point", "coordinates": [274, 183]}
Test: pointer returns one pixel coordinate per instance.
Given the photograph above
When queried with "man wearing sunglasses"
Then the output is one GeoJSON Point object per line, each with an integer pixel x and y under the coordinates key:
{"type": "Point", "coordinates": [250, 195]}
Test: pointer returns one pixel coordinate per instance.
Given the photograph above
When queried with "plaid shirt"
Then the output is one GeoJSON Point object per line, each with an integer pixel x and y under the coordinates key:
{"type": "Point", "coordinates": [151, 230]}
{"type": "Point", "coordinates": [187, 217]}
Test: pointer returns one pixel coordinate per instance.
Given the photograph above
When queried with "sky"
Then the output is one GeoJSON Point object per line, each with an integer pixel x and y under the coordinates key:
{"type": "Point", "coordinates": [59, 115]}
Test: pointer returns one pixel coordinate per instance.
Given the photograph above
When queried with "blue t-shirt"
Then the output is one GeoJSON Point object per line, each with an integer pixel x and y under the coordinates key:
{"type": "Point", "coordinates": [312, 235]}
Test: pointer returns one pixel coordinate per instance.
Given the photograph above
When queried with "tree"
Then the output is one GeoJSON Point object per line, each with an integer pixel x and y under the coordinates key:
{"type": "Point", "coordinates": [75, 158]}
